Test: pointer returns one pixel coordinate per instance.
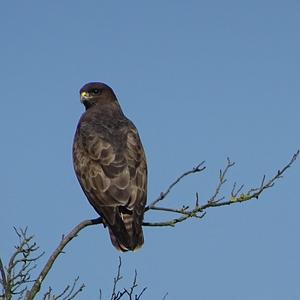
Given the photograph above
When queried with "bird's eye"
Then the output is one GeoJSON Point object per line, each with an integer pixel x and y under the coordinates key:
{"type": "Point", "coordinates": [96, 91]}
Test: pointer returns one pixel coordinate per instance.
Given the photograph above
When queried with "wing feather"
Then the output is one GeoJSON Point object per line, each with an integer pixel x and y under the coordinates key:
{"type": "Point", "coordinates": [113, 174]}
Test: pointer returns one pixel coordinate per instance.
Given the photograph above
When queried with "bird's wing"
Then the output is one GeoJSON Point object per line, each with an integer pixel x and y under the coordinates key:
{"type": "Point", "coordinates": [112, 177]}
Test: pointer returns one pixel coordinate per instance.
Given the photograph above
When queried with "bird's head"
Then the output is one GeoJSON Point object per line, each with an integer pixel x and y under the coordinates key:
{"type": "Point", "coordinates": [95, 93]}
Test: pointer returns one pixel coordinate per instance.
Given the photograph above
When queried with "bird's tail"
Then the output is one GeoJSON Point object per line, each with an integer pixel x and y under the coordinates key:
{"type": "Point", "coordinates": [126, 234]}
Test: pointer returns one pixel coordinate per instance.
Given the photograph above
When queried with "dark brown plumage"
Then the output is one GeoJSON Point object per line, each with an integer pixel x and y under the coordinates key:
{"type": "Point", "coordinates": [110, 165]}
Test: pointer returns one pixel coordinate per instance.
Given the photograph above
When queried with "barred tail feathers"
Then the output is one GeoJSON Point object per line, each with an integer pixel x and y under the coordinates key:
{"type": "Point", "coordinates": [125, 234]}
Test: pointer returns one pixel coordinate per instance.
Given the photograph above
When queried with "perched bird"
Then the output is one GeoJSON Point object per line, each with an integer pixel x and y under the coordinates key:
{"type": "Point", "coordinates": [110, 164]}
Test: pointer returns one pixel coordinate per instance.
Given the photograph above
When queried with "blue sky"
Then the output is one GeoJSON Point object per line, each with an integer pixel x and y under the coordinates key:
{"type": "Point", "coordinates": [202, 80]}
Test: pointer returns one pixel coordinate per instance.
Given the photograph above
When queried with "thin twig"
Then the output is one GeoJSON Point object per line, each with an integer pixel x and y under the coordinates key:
{"type": "Point", "coordinates": [47, 294]}
{"type": "Point", "coordinates": [165, 296]}
{"type": "Point", "coordinates": [72, 293]}
{"type": "Point", "coordinates": [173, 222]}
{"type": "Point", "coordinates": [2, 271]}
{"type": "Point", "coordinates": [222, 180]}
{"type": "Point", "coordinates": [3, 281]}
{"type": "Point", "coordinates": [20, 265]}
{"type": "Point", "coordinates": [130, 292]}
{"type": "Point", "coordinates": [137, 297]}
{"type": "Point", "coordinates": [37, 285]}
{"type": "Point", "coordinates": [118, 295]}
{"type": "Point", "coordinates": [163, 195]}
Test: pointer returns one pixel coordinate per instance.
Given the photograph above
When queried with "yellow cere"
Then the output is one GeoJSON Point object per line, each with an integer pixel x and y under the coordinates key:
{"type": "Point", "coordinates": [84, 94]}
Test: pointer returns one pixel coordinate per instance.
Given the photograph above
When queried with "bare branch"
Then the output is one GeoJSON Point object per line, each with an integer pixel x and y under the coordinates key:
{"type": "Point", "coordinates": [3, 281]}
{"type": "Point", "coordinates": [14, 281]}
{"type": "Point", "coordinates": [69, 293]}
{"type": "Point", "coordinates": [256, 192]}
{"type": "Point", "coordinates": [222, 180]}
{"type": "Point", "coordinates": [236, 196]}
{"type": "Point", "coordinates": [235, 192]}
{"type": "Point", "coordinates": [130, 292]}
{"type": "Point", "coordinates": [163, 195]}
{"type": "Point", "coordinates": [74, 294]}
{"type": "Point", "coordinates": [117, 295]}
{"type": "Point", "coordinates": [17, 275]}
{"type": "Point", "coordinates": [173, 222]}
{"type": "Point", "coordinates": [47, 295]}
{"type": "Point", "coordinates": [66, 239]}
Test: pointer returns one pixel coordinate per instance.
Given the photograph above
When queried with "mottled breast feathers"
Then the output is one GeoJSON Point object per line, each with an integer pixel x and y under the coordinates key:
{"type": "Point", "coordinates": [110, 165]}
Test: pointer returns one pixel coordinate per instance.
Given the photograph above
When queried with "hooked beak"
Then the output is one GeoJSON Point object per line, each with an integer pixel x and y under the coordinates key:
{"type": "Point", "coordinates": [84, 96]}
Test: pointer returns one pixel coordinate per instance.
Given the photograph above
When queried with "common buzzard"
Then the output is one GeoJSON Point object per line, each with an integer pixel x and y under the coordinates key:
{"type": "Point", "coordinates": [110, 165]}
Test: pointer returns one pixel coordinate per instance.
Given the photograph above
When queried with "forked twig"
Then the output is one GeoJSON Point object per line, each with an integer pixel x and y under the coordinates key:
{"type": "Point", "coordinates": [65, 240]}
{"type": "Point", "coordinates": [196, 169]}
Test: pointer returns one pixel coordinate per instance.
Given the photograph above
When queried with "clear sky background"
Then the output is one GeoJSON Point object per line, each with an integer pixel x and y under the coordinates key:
{"type": "Point", "coordinates": [202, 80]}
